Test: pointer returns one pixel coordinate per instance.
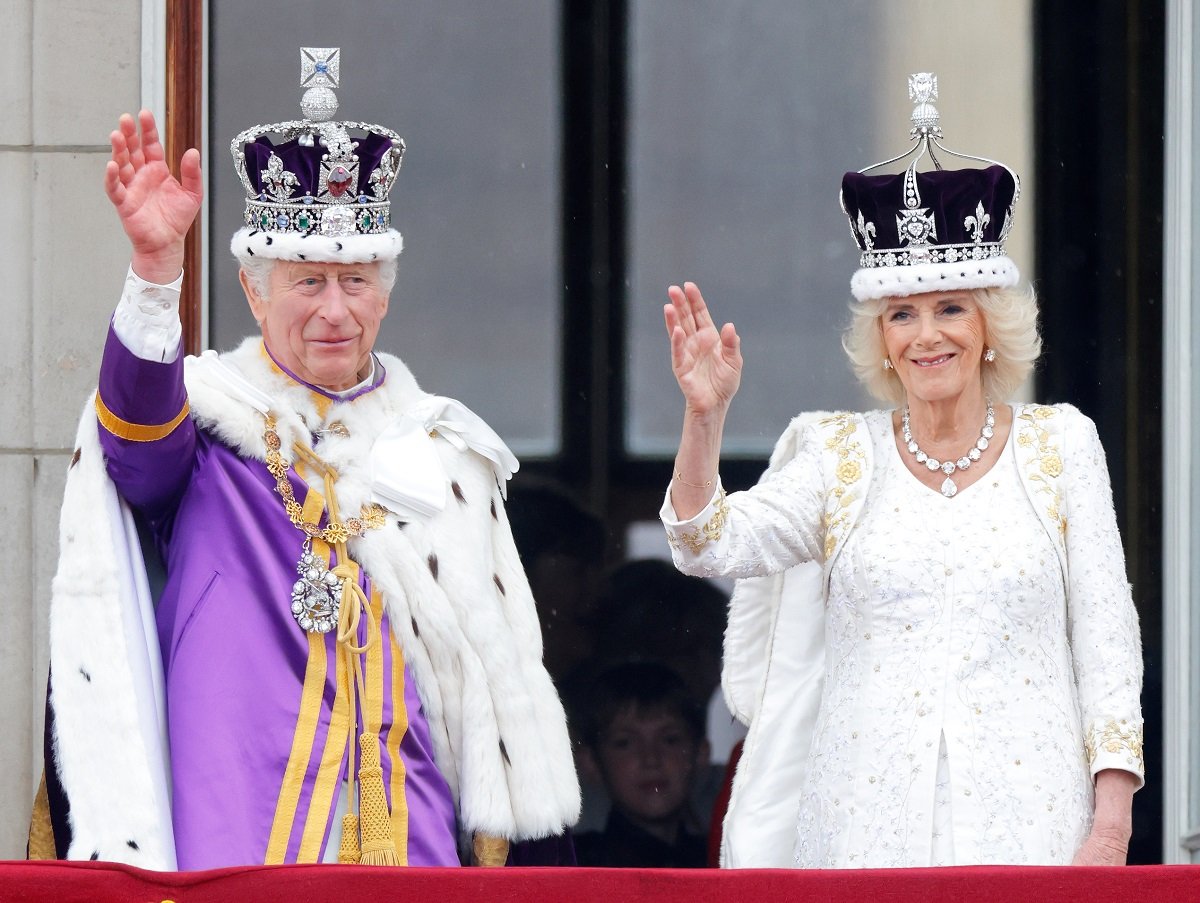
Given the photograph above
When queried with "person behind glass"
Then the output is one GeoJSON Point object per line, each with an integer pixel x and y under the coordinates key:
{"type": "Point", "coordinates": [344, 663]}
{"type": "Point", "coordinates": [644, 741]}
{"type": "Point", "coordinates": [561, 545]}
{"type": "Point", "coordinates": [976, 656]}
{"type": "Point", "coordinates": [648, 611]}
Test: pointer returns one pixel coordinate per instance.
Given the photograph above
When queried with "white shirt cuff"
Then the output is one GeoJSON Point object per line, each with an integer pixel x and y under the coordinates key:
{"type": "Point", "coordinates": [147, 318]}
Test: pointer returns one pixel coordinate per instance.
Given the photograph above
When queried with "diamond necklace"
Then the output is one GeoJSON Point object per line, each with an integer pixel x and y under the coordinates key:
{"type": "Point", "coordinates": [949, 488]}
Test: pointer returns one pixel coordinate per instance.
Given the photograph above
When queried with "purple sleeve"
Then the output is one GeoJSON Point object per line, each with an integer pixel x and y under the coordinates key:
{"type": "Point", "coordinates": [149, 447]}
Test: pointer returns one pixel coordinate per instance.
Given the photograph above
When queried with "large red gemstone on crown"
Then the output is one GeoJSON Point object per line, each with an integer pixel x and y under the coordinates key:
{"type": "Point", "coordinates": [339, 181]}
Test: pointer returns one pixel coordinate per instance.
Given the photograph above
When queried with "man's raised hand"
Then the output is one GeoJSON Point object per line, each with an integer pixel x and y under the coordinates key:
{"type": "Point", "coordinates": [155, 208]}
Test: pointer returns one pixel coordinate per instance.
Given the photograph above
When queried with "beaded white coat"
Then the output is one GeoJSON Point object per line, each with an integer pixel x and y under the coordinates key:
{"type": "Point", "coordinates": [877, 625]}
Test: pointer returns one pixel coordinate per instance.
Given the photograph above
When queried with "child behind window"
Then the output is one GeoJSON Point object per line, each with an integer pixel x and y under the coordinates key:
{"type": "Point", "coordinates": [644, 741]}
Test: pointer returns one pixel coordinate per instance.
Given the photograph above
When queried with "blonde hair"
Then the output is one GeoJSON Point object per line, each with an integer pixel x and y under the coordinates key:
{"type": "Point", "coordinates": [1010, 329]}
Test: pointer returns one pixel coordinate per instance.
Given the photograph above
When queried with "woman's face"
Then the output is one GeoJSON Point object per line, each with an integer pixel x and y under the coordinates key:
{"type": "Point", "coordinates": [935, 341]}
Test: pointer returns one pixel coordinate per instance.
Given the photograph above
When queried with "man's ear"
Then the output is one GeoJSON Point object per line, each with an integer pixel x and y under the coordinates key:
{"type": "Point", "coordinates": [258, 304]}
{"type": "Point", "coordinates": [384, 298]}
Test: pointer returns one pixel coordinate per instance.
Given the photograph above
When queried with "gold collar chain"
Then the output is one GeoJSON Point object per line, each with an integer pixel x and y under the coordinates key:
{"type": "Point", "coordinates": [372, 515]}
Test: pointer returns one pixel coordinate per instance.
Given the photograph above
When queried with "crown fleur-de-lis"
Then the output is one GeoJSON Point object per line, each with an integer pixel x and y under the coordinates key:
{"type": "Point", "coordinates": [381, 178]}
{"type": "Point", "coordinates": [278, 181]}
{"type": "Point", "coordinates": [1008, 221]}
{"type": "Point", "coordinates": [976, 223]}
{"type": "Point", "coordinates": [867, 231]}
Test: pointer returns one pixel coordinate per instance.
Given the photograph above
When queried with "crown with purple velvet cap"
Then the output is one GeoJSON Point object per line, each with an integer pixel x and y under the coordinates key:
{"type": "Point", "coordinates": [316, 188]}
{"type": "Point", "coordinates": [939, 230]}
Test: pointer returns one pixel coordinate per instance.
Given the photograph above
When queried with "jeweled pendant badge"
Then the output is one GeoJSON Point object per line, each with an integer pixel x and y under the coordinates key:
{"type": "Point", "coordinates": [315, 596]}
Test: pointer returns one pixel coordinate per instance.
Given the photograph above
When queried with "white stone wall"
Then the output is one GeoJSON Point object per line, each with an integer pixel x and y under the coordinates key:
{"type": "Point", "coordinates": [68, 69]}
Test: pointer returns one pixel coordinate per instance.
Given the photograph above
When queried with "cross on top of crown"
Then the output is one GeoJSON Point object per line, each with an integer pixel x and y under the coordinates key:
{"type": "Point", "coordinates": [922, 87]}
{"type": "Point", "coordinates": [319, 67]}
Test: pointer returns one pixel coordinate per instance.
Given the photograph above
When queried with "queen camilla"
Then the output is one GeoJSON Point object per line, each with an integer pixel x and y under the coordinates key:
{"type": "Point", "coordinates": [933, 639]}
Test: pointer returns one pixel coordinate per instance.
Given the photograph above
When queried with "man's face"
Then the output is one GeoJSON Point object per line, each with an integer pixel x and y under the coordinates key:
{"type": "Point", "coordinates": [320, 320]}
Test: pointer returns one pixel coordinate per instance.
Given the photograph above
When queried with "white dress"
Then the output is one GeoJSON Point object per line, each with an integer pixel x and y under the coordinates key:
{"type": "Point", "coordinates": [949, 729]}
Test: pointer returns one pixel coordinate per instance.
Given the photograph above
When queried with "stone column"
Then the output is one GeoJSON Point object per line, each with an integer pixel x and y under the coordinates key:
{"type": "Point", "coordinates": [68, 69]}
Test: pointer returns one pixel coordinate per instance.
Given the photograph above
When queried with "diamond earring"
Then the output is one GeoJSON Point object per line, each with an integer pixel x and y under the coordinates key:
{"type": "Point", "coordinates": [989, 355]}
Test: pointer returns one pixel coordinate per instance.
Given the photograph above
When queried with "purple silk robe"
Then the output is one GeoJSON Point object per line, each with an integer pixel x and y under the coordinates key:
{"type": "Point", "coordinates": [257, 715]}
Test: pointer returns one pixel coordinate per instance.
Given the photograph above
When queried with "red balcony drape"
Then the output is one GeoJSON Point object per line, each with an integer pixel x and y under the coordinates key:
{"type": "Point", "coordinates": [96, 882]}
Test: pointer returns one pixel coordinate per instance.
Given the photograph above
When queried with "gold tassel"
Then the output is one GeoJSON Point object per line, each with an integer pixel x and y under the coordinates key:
{"type": "Point", "coordinates": [375, 845]}
{"type": "Point", "coordinates": [348, 851]}
{"type": "Point", "coordinates": [488, 850]}
{"type": "Point", "coordinates": [378, 848]}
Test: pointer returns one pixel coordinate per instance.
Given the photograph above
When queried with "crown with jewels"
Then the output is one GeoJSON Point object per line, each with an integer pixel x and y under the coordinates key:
{"type": "Point", "coordinates": [316, 188]}
{"type": "Point", "coordinates": [939, 230]}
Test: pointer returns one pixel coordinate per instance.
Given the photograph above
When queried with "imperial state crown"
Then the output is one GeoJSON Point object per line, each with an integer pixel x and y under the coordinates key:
{"type": "Point", "coordinates": [317, 188]}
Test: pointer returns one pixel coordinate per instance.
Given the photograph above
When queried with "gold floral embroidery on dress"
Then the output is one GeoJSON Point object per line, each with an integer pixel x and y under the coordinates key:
{"type": "Point", "coordinates": [849, 471]}
{"type": "Point", "coordinates": [695, 540]}
{"type": "Point", "coordinates": [1116, 738]}
{"type": "Point", "coordinates": [1044, 464]}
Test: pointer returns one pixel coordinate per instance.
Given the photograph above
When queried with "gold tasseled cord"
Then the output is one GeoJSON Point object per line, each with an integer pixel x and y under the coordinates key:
{"type": "Point", "coordinates": [366, 837]}
{"type": "Point", "coordinates": [378, 847]}
{"type": "Point", "coordinates": [349, 852]}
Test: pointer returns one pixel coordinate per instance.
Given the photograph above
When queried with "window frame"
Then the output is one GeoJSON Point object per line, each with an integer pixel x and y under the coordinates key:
{"type": "Point", "coordinates": [1181, 529]}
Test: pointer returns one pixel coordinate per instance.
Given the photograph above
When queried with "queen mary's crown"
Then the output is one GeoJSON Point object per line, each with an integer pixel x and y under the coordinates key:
{"type": "Point", "coordinates": [934, 229]}
{"type": "Point", "coordinates": [317, 188]}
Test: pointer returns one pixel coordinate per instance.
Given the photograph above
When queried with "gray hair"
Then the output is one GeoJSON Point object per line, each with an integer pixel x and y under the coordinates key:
{"type": "Point", "coordinates": [1010, 329]}
{"type": "Point", "coordinates": [258, 272]}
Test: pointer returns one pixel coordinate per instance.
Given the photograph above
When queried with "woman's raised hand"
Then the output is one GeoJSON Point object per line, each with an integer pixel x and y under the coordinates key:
{"type": "Point", "coordinates": [155, 208]}
{"type": "Point", "coordinates": [707, 362]}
